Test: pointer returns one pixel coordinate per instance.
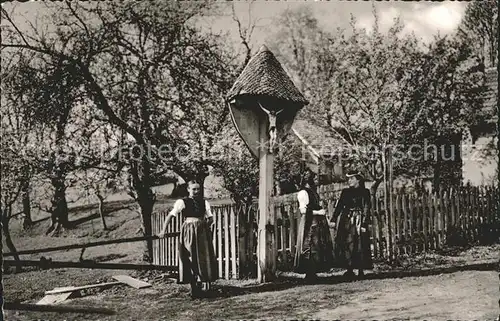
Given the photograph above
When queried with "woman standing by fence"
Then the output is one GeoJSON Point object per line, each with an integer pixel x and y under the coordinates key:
{"type": "Point", "coordinates": [314, 243]}
{"type": "Point", "coordinates": [197, 262]}
{"type": "Point", "coordinates": [352, 216]}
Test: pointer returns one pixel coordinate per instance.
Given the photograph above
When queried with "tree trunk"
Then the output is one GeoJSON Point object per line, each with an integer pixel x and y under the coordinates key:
{"type": "Point", "coordinates": [8, 239]}
{"type": "Point", "coordinates": [146, 202]}
{"type": "Point", "coordinates": [101, 210]}
{"type": "Point", "coordinates": [142, 183]}
{"type": "Point", "coordinates": [26, 201]}
{"type": "Point", "coordinates": [59, 213]}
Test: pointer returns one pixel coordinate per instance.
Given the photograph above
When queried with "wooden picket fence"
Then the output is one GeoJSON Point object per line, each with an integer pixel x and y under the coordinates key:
{"type": "Point", "coordinates": [225, 239]}
{"type": "Point", "coordinates": [418, 223]}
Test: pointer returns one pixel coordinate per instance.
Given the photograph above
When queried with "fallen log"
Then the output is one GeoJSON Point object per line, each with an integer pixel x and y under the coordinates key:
{"type": "Point", "coordinates": [47, 264]}
{"type": "Point", "coordinates": [56, 308]}
{"type": "Point", "coordinates": [91, 244]}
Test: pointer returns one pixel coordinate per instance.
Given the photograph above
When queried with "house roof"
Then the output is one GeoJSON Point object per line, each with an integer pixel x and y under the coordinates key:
{"type": "Point", "coordinates": [264, 76]}
{"type": "Point", "coordinates": [320, 139]}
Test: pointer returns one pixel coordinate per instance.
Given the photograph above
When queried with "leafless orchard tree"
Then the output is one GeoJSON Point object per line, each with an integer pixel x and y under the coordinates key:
{"type": "Point", "coordinates": [148, 71]}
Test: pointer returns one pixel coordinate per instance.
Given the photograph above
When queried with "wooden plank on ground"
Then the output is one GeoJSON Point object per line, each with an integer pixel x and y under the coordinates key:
{"type": "Point", "coordinates": [135, 283]}
{"type": "Point", "coordinates": [55, 298]}
{"type": "Point", "coordinates": [84, 287]}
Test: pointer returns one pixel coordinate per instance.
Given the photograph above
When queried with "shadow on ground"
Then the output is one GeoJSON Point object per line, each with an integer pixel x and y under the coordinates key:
{"type": "Point", "coordinates": [285, 282]}
{"type": "Point", "coordinates": [79, 221]}
{"type": "Point", "coordinates": [94, 216]}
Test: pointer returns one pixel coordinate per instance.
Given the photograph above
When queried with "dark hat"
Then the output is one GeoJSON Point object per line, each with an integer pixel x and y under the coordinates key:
{"type": "Point", "coordinates": [353, 173]}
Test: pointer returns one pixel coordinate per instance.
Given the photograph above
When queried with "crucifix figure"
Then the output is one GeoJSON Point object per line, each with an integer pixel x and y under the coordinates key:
{"type": "Point", "coordinates": [272, 125]}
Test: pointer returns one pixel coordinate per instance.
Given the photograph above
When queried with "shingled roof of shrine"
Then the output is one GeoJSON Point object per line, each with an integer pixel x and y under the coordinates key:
{"type": "Point", "coordinates": [264, 76]}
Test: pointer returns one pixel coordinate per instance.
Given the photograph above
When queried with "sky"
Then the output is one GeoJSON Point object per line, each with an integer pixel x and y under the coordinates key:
{"type": "Point", "coordinates": [424, 18]}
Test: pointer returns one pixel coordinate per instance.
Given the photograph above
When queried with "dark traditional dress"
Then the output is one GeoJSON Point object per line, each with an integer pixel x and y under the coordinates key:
{"type": "Point", "coordinates": [314, 252]}
{"type": "Point", "coordinates": [352, 246]}
{"type": "Point", "coordinates": [197, 262]}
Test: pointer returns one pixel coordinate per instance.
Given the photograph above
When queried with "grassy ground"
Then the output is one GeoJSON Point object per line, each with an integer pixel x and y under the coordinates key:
{"type": "Point", "coordinates": [458, 295]}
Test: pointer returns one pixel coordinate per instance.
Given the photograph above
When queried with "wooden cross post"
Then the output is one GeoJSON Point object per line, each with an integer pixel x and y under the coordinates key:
{"type": "Point", "coordinates": [266, 255]}
{"type": "Point", "coordinates": [262, 86]}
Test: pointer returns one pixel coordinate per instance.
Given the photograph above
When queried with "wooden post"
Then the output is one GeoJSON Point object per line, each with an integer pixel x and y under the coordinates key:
{"type": "Point", "coordinates": [250, 100]}
{"type": "Point", "coordinates": [266, 238]}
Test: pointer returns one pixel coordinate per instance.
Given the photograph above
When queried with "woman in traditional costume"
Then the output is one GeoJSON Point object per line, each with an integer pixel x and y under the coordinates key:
{"type": "Point", "coordinates": [314, 250]}
{"type": "Point", "coordinates": [352, 216]}
{"type": "Point", "coordinates": [197, 262]}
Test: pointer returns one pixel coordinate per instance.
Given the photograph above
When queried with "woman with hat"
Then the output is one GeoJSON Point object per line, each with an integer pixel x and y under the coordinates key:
{"type": "Point", "coordinates": [314, 250]}
{"type": "Point", "coordinates": [352, 216]}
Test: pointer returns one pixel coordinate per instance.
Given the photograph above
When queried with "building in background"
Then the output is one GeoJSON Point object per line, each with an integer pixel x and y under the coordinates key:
{"type": "Point", "coordinates": [479, 149]}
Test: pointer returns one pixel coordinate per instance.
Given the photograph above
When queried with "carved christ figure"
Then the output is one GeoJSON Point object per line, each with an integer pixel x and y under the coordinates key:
{"type": "Point", "coordinates": [272, 125]}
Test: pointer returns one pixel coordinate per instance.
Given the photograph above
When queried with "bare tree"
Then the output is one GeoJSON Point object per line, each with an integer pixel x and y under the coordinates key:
{"type": "Point", "coordinates": [245, 32]}
{"type": "Point", "coordinates": [11, 186]}
{"type": "Point", "coordinates": [151, 74]}
{"type": "Point", "coordinates": [48, 98]}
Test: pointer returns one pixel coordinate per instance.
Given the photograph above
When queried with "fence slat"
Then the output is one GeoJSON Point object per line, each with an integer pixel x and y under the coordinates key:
{"type": "Point", "coordinates": [423, 216]}
{"type": "Point", "coordinates": [253, 237]}
{"type": "Point", "coordinates": [445, 201]}
{"type": "Point", "coordinates": [453, 211]}
{"type": "Point", "coordinates": [293, 229]}
{"type": "Point", "coordinates": [434, 218]}
{"type": "Point", "coordinates": [282, 232]}
{"type": "Point", "coordinates": [406, 223]}
{"type": "Point", "coordinates": [242, 242]}
{"type": "Point", "coordinates": [220, 256]}
{"type": "Point", "coordinates": [475, 212]}
{"type": "Point", "coordinates": [382, 242]}
{"type": "Point", "coordinates": [374, 230]}
{"type": "Point", "coordinates": [226, 244]}
{"type": "Point", "coordinates": [465, 213]}
{"type": "Point", "coordinates": [412, 222]}
{"type": "Point", "coordinates": [233, 243]}
{"type": "Point", "coordinates": [155, 231]}
{"type": "Point", "coordinates": [489, 207]}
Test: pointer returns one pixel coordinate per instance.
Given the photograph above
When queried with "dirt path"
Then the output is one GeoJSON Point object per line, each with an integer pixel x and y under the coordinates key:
{"type": "Point", "coordinates": [462, 295]}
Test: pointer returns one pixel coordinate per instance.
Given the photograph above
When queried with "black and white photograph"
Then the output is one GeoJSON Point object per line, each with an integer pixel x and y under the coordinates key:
{"type": "Point", "coordinates": [249, 160]}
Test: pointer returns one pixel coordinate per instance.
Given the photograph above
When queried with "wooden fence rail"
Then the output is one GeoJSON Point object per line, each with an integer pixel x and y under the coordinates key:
{"type": "Point", "coordinates": [420, 223]}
